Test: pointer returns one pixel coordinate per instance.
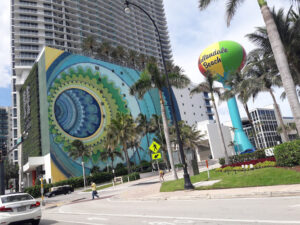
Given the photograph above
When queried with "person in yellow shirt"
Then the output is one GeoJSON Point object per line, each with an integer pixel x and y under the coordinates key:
{"type": "Point", "coordinates": [94, 190]}
{"type": "Point", "coordinates": [161, 176]}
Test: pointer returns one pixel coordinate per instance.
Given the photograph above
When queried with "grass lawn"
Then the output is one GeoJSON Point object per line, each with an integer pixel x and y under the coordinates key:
{"type": "Point", "coordinates": [253, 178]}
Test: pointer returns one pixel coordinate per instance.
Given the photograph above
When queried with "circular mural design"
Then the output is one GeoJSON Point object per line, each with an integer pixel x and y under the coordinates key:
{"type": "Point", "coordinates": [77, 112]}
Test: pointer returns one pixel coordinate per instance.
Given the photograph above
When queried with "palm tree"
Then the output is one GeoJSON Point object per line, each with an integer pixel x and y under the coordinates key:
{"type": "Point", "coordinates": [208, 86]}
{"type": "Point", "coordinates": [110, 151]}
{"type": "Point", "coordinates": [277, 48]}
{"type": "Point", "coordinates": [122, 127]}
{"type": "Point", "coordinates": [132, 58]}
{"type": "Point", "coordinates": [242, 87]}
{"type": "Point", "coordinates": [104, 51]}
{"type": "Point", "coordinates": [190, 136]}
{"type": "Point", "coordinates": [262, 69]}
{"type": "Point", "coordinates": [152, 78]}
{"type": "Point", "coordinates": [79, 150]}
{"type": "Point", "coordinates": [89, 44]}
{"type": "Point", "coordinates": [288, 28]}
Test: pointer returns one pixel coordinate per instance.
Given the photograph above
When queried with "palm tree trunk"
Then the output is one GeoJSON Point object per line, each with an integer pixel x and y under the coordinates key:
{"type": "Point", "coordinates": [220, 130]}
{"type": "Point", "coordinates": [251, 124]}
{"type": "Point", "coordinates": [127, 158]}
{"type": "Point", "coordinates": [281, 61]}
{"type": "Point", "coordinates": [285, 136]}
{"type": "Point", "coordinates": [167, 135]}
{"type": "Point", "coordinates": [112, 167]}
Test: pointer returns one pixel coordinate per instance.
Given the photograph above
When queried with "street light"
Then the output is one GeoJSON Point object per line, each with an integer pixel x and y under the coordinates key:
{"type": "Point", "coordinates": [21, 183]}
{"type": "Point", "coordinates": [187, 181]}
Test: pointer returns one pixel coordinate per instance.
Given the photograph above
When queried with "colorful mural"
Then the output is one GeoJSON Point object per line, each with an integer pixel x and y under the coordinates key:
{"type": "Point", "coordinates": [80, 96]}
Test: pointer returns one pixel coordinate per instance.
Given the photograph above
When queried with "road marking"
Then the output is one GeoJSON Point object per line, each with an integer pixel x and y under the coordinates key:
{"type": "Point", "coordinates": [73, 222]}
{"type": "Point", "coordinates": [182, 218]}
{"type": "Point", "coordinates": [96, 218]}
{"type": "Point", "coordinates": [293, 206]}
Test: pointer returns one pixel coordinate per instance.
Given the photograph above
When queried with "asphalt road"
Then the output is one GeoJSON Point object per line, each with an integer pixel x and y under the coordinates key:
{"type": "Point", "coordinates": [110, 211]}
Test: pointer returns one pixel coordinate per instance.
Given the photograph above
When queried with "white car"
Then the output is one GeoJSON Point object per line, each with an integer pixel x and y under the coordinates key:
{"type": "Point", "coordinates": [19, 207]}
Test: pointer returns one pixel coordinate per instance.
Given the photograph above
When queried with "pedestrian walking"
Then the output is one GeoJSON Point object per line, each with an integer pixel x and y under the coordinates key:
{"type": "Point", "coordinates": [94, 190]}
{"type": "Point", "coordinates": [161, 176]}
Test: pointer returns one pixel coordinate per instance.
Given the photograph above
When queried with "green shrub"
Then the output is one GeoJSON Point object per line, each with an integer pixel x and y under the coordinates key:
{"type": "Point", "coordinates": [227, 169]}
{"type": "Point", "coordinates": [288, 153]}
{"type": "Point", "coordinates": [218, 170]}
{"type": "Point", "coordinates": [258, 154]}
{"type": "Point", "coordinates": [132, 176]}
{"type": "Point", "coordinates": [222, 161]}
{"type": "Point", "coordinates": [179, 165]}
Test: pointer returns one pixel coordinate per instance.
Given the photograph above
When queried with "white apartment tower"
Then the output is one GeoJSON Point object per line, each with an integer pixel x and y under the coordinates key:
{"type": "Point", "coordinates": [63, 24]}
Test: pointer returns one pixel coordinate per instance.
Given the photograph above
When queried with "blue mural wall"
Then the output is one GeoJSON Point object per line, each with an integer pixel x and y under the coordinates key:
{"type": "Point", "coordinates": [83, 96]}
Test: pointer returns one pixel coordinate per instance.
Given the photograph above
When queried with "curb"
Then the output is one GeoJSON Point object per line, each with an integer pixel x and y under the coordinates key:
{"type": "Point", "coordinates": [212, 196]}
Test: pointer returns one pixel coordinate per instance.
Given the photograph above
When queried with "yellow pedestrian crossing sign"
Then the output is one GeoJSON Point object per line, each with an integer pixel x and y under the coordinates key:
{"type": "Point", "coordinates": [154, 147]}
{"type": "Point", "coordinates": [156, 156]}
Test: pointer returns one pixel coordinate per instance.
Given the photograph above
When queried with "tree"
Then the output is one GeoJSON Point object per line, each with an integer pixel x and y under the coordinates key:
{"type": "Point", "coordinates": [288, 27]}
{"type": "Point", "coordinates": [11, 172]}
{"type": "Point", "coordinates": [79, 150]}
{"type": "Point", "coordinates": [277, 48]}
{"type": "Point", "coordinates": [190, 136]}
{"type": "Point", "coordinates": [208, 86]}
{"type": "Point", "coordinates": [152, 78]}
{"type": "Point", "coordinates": [104, 51]}
{"type": "Point", "coordinates": [261, 68]}
{"type": "Point", "coordinates": [89, 45]}
{"type": "Point", "coordinates": [242, 87]}
{"type": "Point", "coordinates": [122, 127]}
{"type": "Point", "coordinates": [110, 150]}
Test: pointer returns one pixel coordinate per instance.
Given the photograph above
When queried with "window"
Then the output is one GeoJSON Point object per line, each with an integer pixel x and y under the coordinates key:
{"type": "Point", "coordinates": [16, 155]}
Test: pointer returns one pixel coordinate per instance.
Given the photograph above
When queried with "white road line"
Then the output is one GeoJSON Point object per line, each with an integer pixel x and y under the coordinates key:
{"type": "Point", "coordinates": [97, 218]}
{"type": "Point", "coordinates": [74, 222]}
{"type": "Point", "coordinates": [182, 218]}
{"type": "Point", "coordinates": [293, 206]}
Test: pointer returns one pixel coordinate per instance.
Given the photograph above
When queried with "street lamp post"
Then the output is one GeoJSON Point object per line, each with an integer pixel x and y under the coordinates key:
{"type": "Point", "coordinates": [187, 181]}
{"type": "Point", "coordinates": [21, 183]}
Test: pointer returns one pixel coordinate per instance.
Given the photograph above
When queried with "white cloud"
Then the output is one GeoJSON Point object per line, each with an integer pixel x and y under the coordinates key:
{"type": "Point", "coordinates": [192, 30]}
{"type": "Point", "coordinates": [5, 56]}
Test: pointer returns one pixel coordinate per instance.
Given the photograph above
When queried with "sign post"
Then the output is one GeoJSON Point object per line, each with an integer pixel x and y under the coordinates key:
{"type": "Point", "coordinates": [207, 169]}
{"type": "Point", "coordinates": [154, 147]}
{"type": "Point", "coordinates": [42, 192]}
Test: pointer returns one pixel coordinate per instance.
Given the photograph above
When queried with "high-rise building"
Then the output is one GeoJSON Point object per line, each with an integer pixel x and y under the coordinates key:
{"type": "Point", "coordinates": [193, 108]}
{"type": "Point", "coordinates": [63, 24]}
{"type": "Point", "coordinates": [265, 124]}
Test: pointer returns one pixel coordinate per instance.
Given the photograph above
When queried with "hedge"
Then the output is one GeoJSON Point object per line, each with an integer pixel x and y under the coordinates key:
{"type": "Point", "coordinates": [258, 154]}
{"type": "Point", "coordinates": [288, 153]}
{"type": "Point", "coordinates": [239, 168]}
{"type": "Point", "coordinates": [75, 182]}
{"type": "Point", "coordinates": [132, 176]}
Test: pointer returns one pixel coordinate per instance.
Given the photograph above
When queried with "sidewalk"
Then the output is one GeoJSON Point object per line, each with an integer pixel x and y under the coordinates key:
{"type": "Point", "coordinates": [151, 191]}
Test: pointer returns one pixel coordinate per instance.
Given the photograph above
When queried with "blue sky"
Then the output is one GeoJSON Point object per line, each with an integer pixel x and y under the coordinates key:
{"type": "Point", "coordinates": [190, 32]}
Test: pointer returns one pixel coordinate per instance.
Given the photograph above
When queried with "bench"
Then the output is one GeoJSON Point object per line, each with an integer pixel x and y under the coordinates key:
{"type": "Point", "coordinates": [117, 180]}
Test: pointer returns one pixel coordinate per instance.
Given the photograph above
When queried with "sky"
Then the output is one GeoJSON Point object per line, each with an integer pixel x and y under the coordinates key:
{"type": "Point", "coordinates": [190, 30]}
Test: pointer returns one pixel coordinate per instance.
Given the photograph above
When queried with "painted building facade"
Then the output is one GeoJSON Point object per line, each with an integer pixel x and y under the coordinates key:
{"type": "Point", "coordinates": [68, 97]}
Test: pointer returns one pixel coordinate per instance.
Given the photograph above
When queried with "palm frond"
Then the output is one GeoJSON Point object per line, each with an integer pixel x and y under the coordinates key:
{"type": "Point", "coordinates": [204, 3]}
{"type": "Point", "coordinates": [231, 7]}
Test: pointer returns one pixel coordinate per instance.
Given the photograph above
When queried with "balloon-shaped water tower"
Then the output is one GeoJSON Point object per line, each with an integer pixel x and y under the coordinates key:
{"type": "Point", "coordinates": [221, 59]}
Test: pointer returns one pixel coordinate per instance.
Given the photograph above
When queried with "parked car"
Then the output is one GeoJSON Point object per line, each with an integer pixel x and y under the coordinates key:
{"type": "Point", "coordinates": [19, 208]}
{"type": "Point", "coordinates": [66, 189]}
